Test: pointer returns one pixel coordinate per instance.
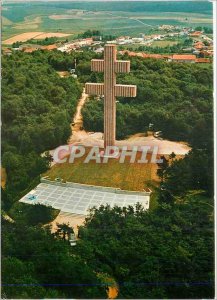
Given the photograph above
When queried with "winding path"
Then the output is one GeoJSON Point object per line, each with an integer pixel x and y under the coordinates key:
{"type": "Point", "coordinates": [80, 136]}
{"type": "Point", "coordinates": [77, 132]}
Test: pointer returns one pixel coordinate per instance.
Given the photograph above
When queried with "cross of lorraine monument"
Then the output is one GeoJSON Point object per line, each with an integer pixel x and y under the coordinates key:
{"type": "Point", "coordinates": [110, 66]}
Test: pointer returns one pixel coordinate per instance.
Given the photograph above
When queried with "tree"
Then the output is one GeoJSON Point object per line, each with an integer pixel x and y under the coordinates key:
{"type": "Point", "coordinates": [143, 250]}
{"type": "Point", "coordinates": [64, 231]}
{"type": "Point", "coordinates": [37, 107]}
{"type": "Point", "coordinates": [19, 281]}
{"type": "Point", "coordinates": [172, 156]}
{"type": "Point", "coordinates": [169, 95]}
{"type": "Point", "coordinates": [49, 264]}
{"type": "Point", "coordinates": [162, 168]}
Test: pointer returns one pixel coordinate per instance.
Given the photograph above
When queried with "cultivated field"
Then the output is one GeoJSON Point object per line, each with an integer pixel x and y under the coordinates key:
{"type": "Point", "coordinates": [111, 18]}
{"type": "Point", "coordinates": [33, 35]}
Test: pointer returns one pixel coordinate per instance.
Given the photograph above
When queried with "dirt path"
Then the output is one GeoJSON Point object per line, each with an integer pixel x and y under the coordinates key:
{"type": "Point", "coordinates": [73, 220]}
{"type": "Point", "coordinates": [77, 133]}
{"type": "Point", "coordinates": [90, 139]}
{"type": "Point", "coordinates": [3, 177]}
{"type": "Point", "coordinates": [80, 136]}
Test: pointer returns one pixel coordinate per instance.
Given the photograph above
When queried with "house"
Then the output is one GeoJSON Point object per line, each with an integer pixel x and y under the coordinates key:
{"type": "Point", "coordinates": [99, 50]}
{"type": "Point", "coordinates": [97, 38]}
{"type": "Point", "coordinates": [189, 49]}
{"type": "Point", "coordinates": [189, 58]}
{"type": "Point", "coordinates": [155, 56]}
{"type": "Point", "coordinates": [49, 47]}
{"type": "Point", "coordinates": [166, 27]}
{"type": "Point", "coordinates": [199, 45]}
{"type": "Point", "coordinates": [124, 40]}
{"type": "Point", "coordinates": [63, 48]}
{"type": "Point", "coordinates": [89, 40]}
{"type": "Point", "coordinates": [196, 52]}
{"type": "Point", "coordinates": [7, 51]}
{"type": "Point", "coordinates": [203, 60]}
{"type": "Point", "coordinates": [137, 40]}
{"type": "Point", "coordinates": [29, 50]}
{"type": "Point", "coordinates": [196, 33]}
{"type": "Point", "coordinates": [156, 37]}
{"type": "Point", "coordinates": [111, 42]}
{"type": "Point", "coordinates": [206, 52]}
{"type": "Point", "coordinates": [144, 55]}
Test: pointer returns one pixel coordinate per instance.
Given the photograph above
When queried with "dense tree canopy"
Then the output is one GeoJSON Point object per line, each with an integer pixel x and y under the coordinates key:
{"type": "Point", "coordinates": [37, 108]}
{"type": "Point", "coordinates": [166, 253]}
{"type": "Point", "coordinates": [38, 265]}
{"type": "Point", "coordinates": [163, 253]}
{"type": "Point", "coordinates": [176, 98]}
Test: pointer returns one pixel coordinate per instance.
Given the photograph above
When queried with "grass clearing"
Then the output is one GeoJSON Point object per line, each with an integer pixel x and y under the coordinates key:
{"type": "Point", "coordinates": [164, 43]}
{"type": "Point", "coordinates": [127, 176]}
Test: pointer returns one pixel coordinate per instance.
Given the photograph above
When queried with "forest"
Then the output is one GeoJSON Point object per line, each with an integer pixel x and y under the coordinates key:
{"type": "Point", "coordinates": [176, 98]}
{"type": "Point", "coordinates": [37, 108]}
{"type": "Point", "coordinates": [166, 252]}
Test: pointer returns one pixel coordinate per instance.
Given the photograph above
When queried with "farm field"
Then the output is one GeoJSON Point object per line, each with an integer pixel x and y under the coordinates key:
{"type": "Point", "coordinates": [108, 17]}
{"type": "Point", "coordinates": [23, 37]}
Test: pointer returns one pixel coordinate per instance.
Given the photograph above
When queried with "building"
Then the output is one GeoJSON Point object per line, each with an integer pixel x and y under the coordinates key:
{"type": "Point", "coordinates": [111, 42]}
{"type": "Point", "coordinates": [155, 56]}
{"type": "Point", "coordinates": [166, 27]}
{"type": "Point", "coordinates": [186, 58]}
{"type": "Point", "coordinates": [137, 40]}
{"type": "Point", "coordinates": [199, 45]}
{"type": "Point", "coordinates": [99, 50]}
{"type": "Point", "coordinates": [7, 51]}
{"type": "Point", "coordinates": [189, 49]}
{"type": "Point", "coordinates": [144, 55]}
{"type": "Point", "coordinates": [183, 58]}
{"type": "Point", "coordinates": [49, 47]}
{"type": "Point", "coordinates": [196, 34]}
{"type": "Point", "coordinates": [203, 60]}
{"type": "Point", "coordinates": [29, 50]}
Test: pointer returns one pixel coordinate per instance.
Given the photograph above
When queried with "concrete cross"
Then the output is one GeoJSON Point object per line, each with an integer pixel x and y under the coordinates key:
{"type": "Point", "coordinates": [110, 66]}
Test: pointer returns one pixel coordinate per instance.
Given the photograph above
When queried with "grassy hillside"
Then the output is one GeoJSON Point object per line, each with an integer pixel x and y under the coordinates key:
{"type": "Point", "coordinates": [127, 176]}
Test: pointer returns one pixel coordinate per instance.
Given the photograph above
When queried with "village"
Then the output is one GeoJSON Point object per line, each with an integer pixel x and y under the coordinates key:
{"type": "Point", "coordinates": [196, 45]}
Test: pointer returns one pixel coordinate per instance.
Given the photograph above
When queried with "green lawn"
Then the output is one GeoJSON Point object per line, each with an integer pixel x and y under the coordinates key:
{"type": "Point", "coordinates": [127, 176]}
{"type": "Point", "coordinates": [164, 43]}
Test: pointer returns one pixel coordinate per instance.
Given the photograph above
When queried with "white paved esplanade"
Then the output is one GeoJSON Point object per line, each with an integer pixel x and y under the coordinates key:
{"type": "Point", "coordinates": [110, 66]}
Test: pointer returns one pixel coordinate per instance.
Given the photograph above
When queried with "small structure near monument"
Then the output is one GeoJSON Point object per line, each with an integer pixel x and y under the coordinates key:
{"type": "Point", "coordinates": [110, 66]}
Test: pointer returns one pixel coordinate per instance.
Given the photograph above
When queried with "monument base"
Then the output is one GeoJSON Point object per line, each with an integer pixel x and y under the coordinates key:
{"type": "Point", "coordinates": [109, 154]}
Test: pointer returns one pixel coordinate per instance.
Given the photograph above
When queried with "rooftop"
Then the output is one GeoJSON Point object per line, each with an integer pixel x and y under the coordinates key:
{"type": "Point", "coordinates": [202, 60]}
{"type": "Point", "coordinates": [49, 47]}
{"type": "Point", "coordinates": [184, 57]}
